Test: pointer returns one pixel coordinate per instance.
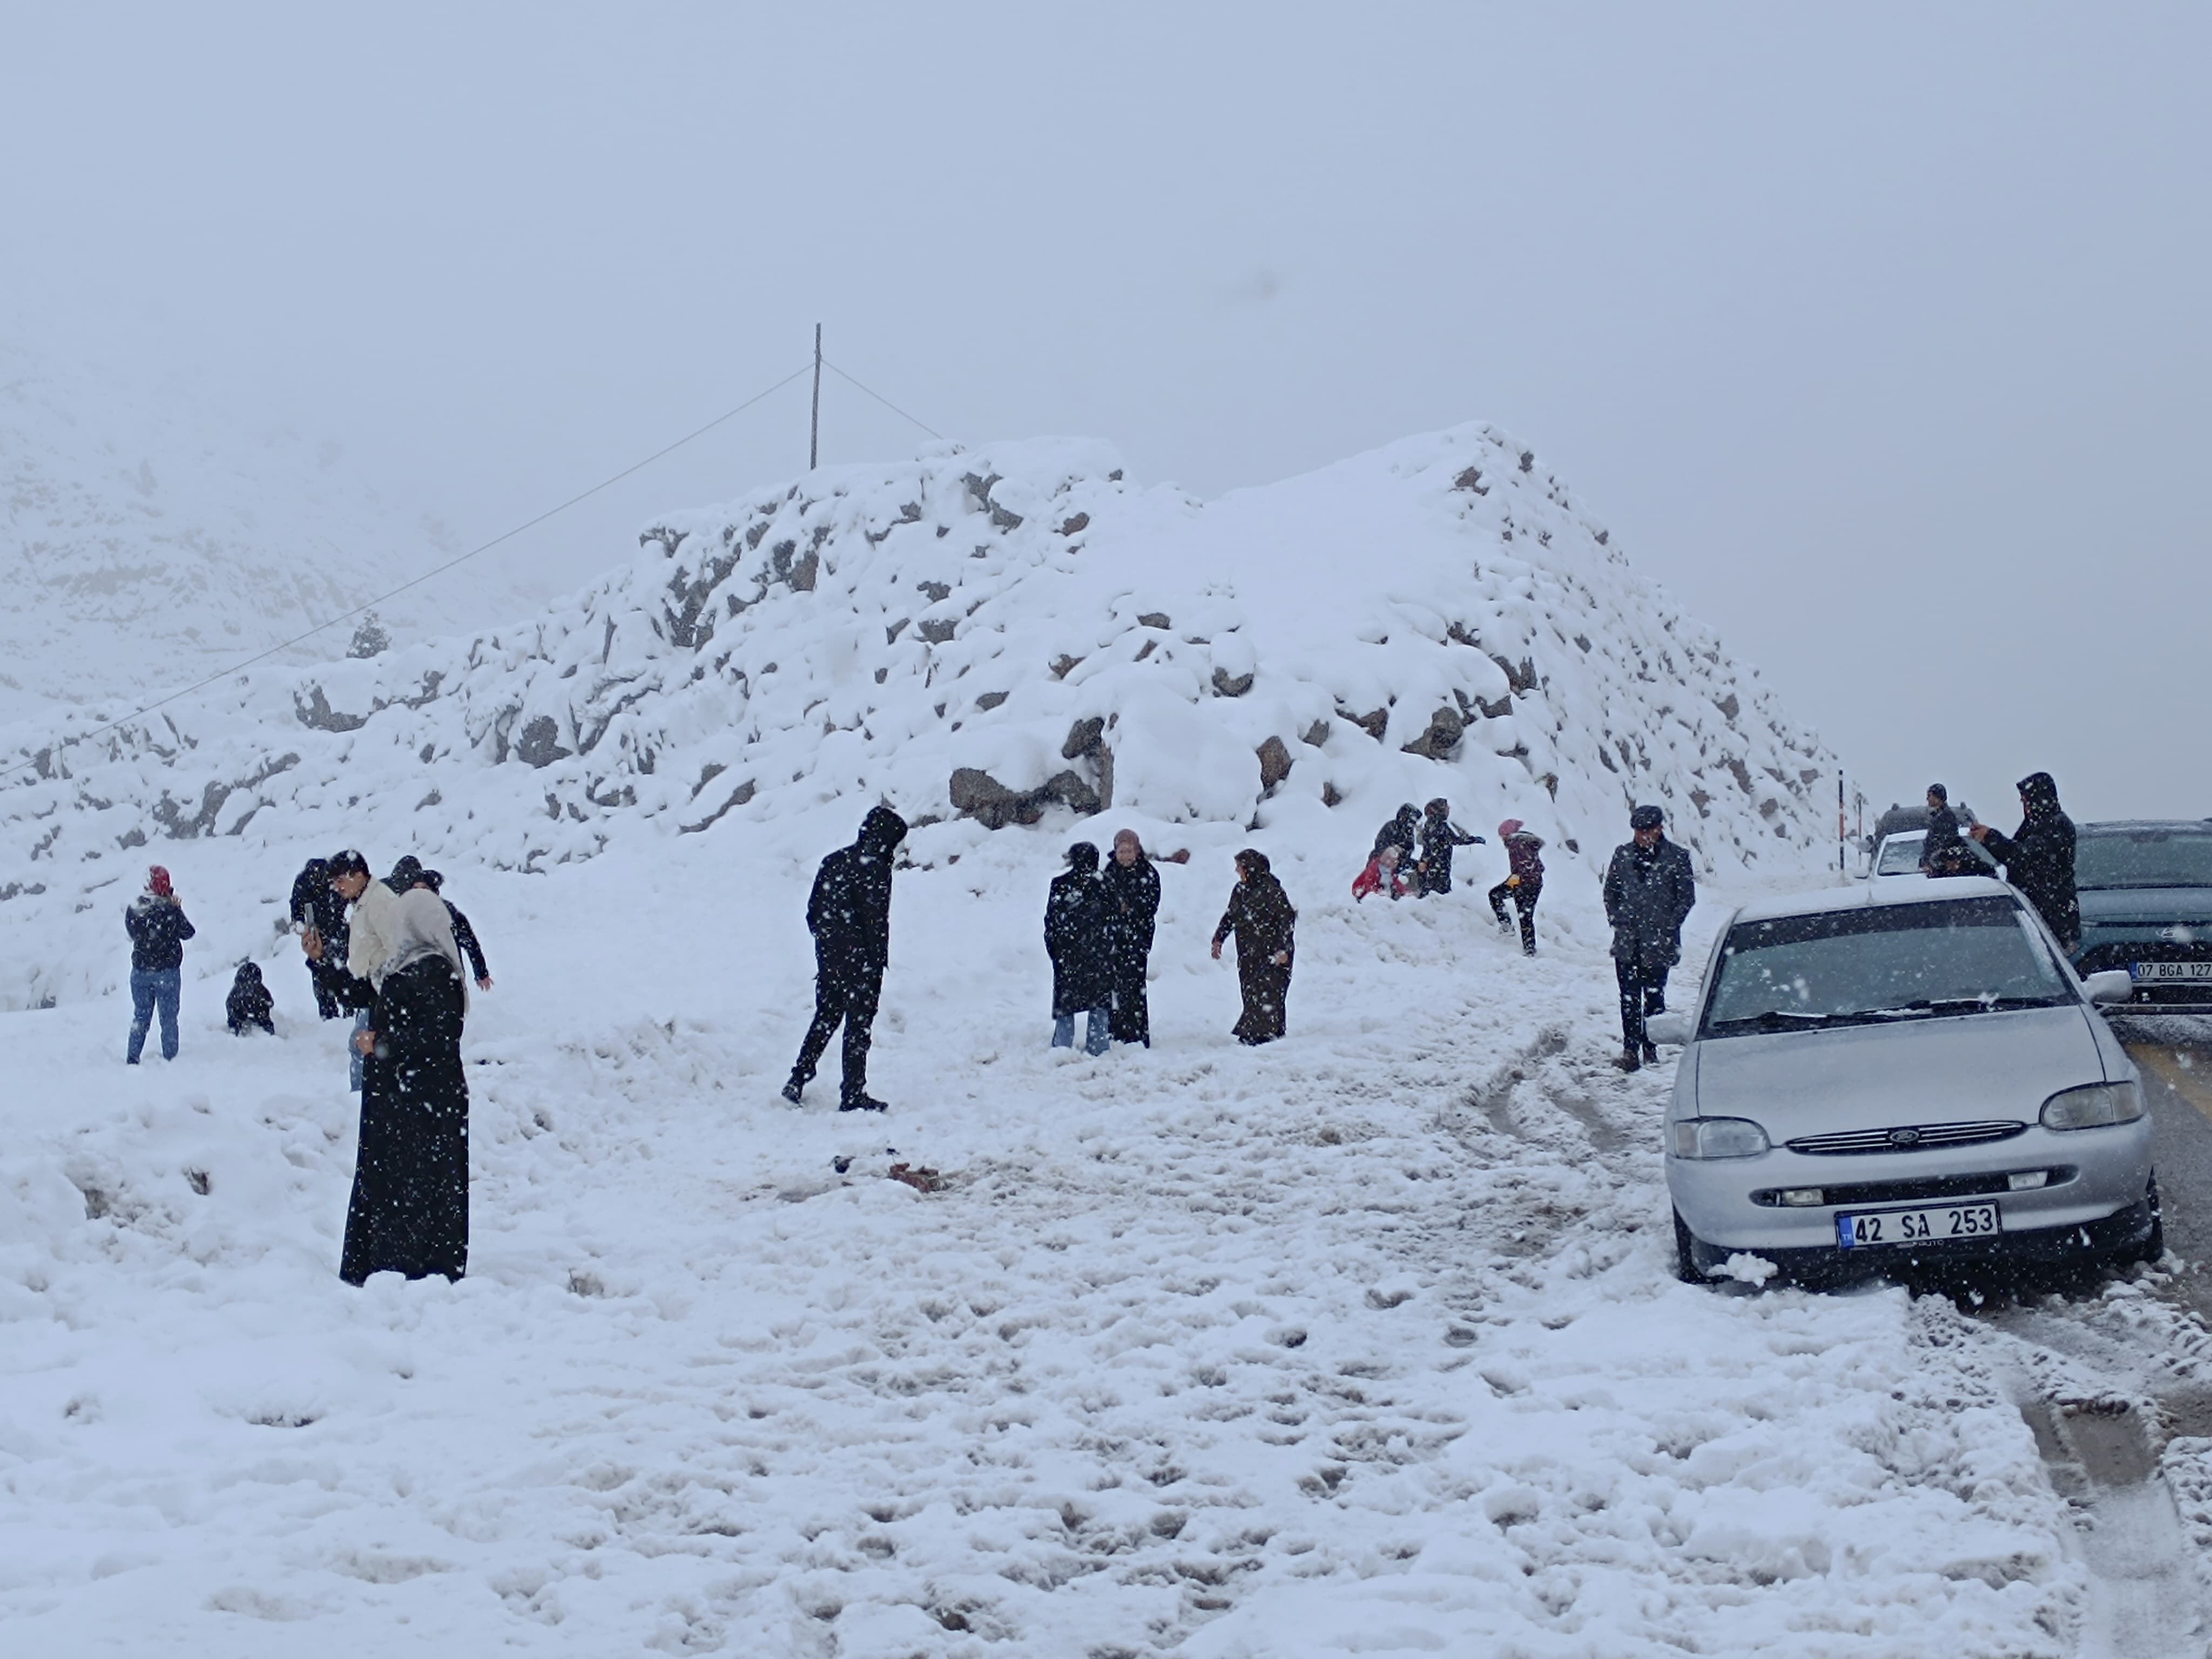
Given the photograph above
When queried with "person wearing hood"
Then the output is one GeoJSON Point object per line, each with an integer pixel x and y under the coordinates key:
{"type": "Point", "coordinates": [249, 1004]}
{"type": "Point", "coordinates": [1132, 907]}
{"type": "Point", "coordinates": [1439, 835]}
{"type": "Point", "coordinates": [1261, 916]}
{"type": "Point", "coordinates": [1402, 832]}
{"type": "Point", "coordinates": [1649, 890]}
{"type": "Point", "coordinates": [849, 913]}
{"type": "Point", "coordinates": [2038, 857]}
{"type": "Point", "coordinates": [158, 928]}
{"type": "Point", "coordinates": [409, 1212]}
{"type": "Point", "coordinates": [1075, 924]}
{"type": "Point", "coordinates": [316, 909]}
{"type": "Point", "coordinates": [1523, 883]}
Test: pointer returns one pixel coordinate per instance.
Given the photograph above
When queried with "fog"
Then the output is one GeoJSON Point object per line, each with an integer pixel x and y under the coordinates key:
{"type": "Point", "coordinates": [1878, 334]}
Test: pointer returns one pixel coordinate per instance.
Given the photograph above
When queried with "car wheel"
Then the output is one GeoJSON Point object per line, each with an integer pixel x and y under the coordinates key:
{"type": "Point", "coordinates": [2154, 1246]}
{"type": "Point", "coordinates": [1686, 1253]}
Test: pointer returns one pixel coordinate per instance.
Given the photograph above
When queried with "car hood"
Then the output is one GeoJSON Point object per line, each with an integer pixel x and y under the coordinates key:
{"type": "Point", "coordinates": [1929, 1071]}
{"type": "Point", "coordinates": [2150, 906]}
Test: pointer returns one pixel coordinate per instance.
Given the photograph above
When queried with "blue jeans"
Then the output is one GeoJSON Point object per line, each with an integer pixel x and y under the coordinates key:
{"type": "Point", "coordinates": [1094, 1035]}
{"type": "Point", "coordinates": [353, 1054]}
{"type": "Point", "coordinates": [152, 989]}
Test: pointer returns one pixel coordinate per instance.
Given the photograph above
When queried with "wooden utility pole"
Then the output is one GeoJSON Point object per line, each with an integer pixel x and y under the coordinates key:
{"type": "Point", "coordinates": [814, 427]}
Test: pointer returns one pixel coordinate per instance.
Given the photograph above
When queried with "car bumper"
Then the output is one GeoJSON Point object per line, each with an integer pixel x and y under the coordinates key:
{"type": "Point", "coordinates": [2107, 1175]}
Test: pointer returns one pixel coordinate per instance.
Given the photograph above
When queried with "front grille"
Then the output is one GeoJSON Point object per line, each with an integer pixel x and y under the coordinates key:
{"type": "Point", "coordinates": [1906, 1138]}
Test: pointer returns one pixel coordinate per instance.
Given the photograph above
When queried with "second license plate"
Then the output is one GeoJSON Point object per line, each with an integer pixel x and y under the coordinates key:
{"type": "Point", "coordinates": [1935, 1224]}
{"type": "Point", "coordinates": [2172, 971]}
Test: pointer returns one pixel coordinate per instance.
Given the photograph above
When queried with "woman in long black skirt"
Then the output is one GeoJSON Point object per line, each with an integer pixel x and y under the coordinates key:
{"type": "Point", "coordinates": [1132, 907]}
{"type": "Point", "coordinates": [1261, 916]}
{"type": "Point", "coordinates": [409, 1210]}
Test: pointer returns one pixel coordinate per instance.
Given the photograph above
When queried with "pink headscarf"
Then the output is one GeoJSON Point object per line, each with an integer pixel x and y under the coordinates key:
{"type": "Point", "coordinates": [1510, 827]}
{"type": "Point", "coordinates": [157, 881]}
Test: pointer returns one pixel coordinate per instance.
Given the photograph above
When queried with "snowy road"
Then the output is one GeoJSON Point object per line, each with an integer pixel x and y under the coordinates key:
{"type": "Point", "coordinates": [1368, 1342]}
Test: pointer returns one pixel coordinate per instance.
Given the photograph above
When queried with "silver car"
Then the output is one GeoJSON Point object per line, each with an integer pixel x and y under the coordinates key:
{"type": "Point", "coordinates": [1903, 1072]}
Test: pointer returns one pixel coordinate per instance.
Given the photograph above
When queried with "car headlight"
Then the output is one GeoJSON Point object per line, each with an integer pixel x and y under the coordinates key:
{"type": "Point", "coordinates": [2093, 1107]}
{"type": "Point", "coordinates": [1715, 1137]}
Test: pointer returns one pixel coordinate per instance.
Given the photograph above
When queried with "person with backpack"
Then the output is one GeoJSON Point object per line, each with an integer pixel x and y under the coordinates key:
{"type": "Point", "coordinates": [158, 928]}
{"type": "Point", "coordinates": [849, 913]}
{"type": "Point", "coordinates": [2038, 857]}
{"type": "Point", "coordinates": [1650, 889]}
{"type": "Point", "coordinates": [1432, 873]}
{"type": "Point", "coordinates": [1523, 883]}
{"type": "Point", "coordinates": [1075, 923]}
{"type": "Point", "coordinates": [1261, 916]}
{"type": "Point", "coordinates": [1133, 908]}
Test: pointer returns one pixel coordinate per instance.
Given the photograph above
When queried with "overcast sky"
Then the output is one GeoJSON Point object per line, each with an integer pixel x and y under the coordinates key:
{"type": "Point", "coordinates": [1877, 333]}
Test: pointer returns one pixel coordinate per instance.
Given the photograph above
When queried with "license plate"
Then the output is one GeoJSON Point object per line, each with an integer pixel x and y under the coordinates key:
{"type": "Point", "coordinates": [2184, 970]}
{"type": "Point", "coordinates": [1937, 1224]}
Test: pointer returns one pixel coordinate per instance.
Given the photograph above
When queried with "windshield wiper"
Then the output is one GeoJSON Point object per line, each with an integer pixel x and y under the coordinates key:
{"type": "Point", "coordinates": [1780, 1019]}
{"type": "Point", "coordinates": [1969, 1005]}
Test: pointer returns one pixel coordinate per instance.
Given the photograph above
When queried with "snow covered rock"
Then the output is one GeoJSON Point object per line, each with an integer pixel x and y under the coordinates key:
{"type": "Point", "coordinates": [1017, 633]}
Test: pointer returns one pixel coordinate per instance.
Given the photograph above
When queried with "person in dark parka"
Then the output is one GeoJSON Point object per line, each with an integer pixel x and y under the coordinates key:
{"type": "Point", "coordinates": [1261, 916]}
{"type": "Point", "coordinates": [249, 1003]}
{"type": "Point", "coordinates": [315, 908]}
{"type": "Point", "coordinates": [2038, 857]}
{"type": "Point", "coordinates": [1649, 890]}
{"type": "Point", "coordinates": [1133, 908]}
{"type": "Point", "coordinates": [1523, 883]}
{"type": "Point", "coordinates": [463, 935]}
{"type": "Point", "coordinates": [1402, 832]}
{"type": "Point", "coordinates": [1432, 873]}
{"type": "Point", "coordinates": [158, 928]}
{"type": "Point", "coordinates": [849, 913]}
{"type": "Point", "coordinates": [1075, 938]}
{"type": "Point", "coordinates": [409, 1212]}
{"type": "Point", "coordinates": [1943, 852]}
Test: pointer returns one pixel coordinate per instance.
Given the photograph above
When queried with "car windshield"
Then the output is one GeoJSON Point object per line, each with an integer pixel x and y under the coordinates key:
{"type": "Point", "coordinates": [1893, 962]}
{"type": "Point", "coordinates": [2180, 857]}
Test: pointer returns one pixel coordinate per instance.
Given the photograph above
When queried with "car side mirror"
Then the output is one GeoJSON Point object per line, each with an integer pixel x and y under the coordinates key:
{"type": "Point", "coordinates": [1675, 1028]}
{"type": "Point", "coordinates": [2112, 985]}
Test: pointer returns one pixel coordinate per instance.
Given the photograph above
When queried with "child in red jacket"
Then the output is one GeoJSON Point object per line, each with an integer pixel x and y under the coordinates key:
{"type": "Point", "coordinates": [1381, 870]}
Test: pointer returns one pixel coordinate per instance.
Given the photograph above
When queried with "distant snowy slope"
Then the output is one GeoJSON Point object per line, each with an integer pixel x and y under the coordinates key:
{"type": "Point", "coordinates": [148, 536]}
{"type": "Point", "coordinates": [1016, 633]}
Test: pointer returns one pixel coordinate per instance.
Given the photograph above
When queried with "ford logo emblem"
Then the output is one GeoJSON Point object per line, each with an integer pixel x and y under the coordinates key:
{"type": "Point", "coordinates": [1905, 1137]}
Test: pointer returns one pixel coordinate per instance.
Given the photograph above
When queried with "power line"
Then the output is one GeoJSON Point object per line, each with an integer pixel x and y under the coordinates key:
{"type": "Point", "coordinates": [880, 398]}
{"type": "Point", "coordinates": [485, 547]}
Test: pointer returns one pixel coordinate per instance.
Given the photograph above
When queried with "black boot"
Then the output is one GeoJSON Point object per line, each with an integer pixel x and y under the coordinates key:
{"type": "Point", "coordinates": [793, 1089]}
{"type": "Point", "coordinates": [1629, 1061]}
{"type": "Point", "coordinates": [1651, 1054]}
{"type": "Point", "coordinates": [862, 1103]}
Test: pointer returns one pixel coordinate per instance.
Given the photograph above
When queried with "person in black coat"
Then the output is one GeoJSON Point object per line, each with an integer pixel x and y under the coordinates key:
{"type": "Point", "coordinates": [1943, 852]}
{"type": "Point", "coordinates": [1075, 938]}
{"type": "Point", "coordinates": [1402, 832]}
{"type": "Point", "coordinates": [849, 913]}
{"type": "Point", "coordinates": [249, 1003]}
{"type": "Point", "coordinates": [1261, 916]}
{"type": "Point", "coordinates": [158, 928]}
{"type": "Point", "coordinates": [2038, 857]}
{"type": "Point", "coordinates": [1133, 908]}
{"type": "Point", "coordinates": [316, 909]}
{"type": "Point", "coordinates": [1432, 872]}
{"type": "Point", "coordinates": [1650, 889]}
{"type": "Point", "coordinates": [463, 935]}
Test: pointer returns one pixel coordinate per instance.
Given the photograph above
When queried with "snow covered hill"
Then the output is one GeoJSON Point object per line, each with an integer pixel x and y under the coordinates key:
{"type": "Point", "coordinates": [1010, 635]}
{"type": "Point", "coordinates": [148, 536]}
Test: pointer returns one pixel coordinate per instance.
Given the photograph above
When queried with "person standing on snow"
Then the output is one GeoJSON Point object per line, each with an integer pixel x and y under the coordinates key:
{"type": "Point", "coordinates": [1523, 883]}
{"type": "Point", "coordinates": [1261, 916]}
{"type": "Point", "coordinates": [2038, 857]}
{"type": "Point", "coordinates": [367, 943]}
{"type": "Point", "coordinates": [1439, 835]}
{"type": "Point", "coordinates": [849, 913]}
{"type": "Point", "coordinates": [1132, 907]}
{"type": "Point", "coordinates": [158, 928]}
{"type": "Point", "coordinates": [409, 1212]}
{"type": "Point", "coordinates": [1075, 923]}
{"type": "Point", "coordinates": [1649, 890]}
{"type": "Point", "coordinates": [315, 906]}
